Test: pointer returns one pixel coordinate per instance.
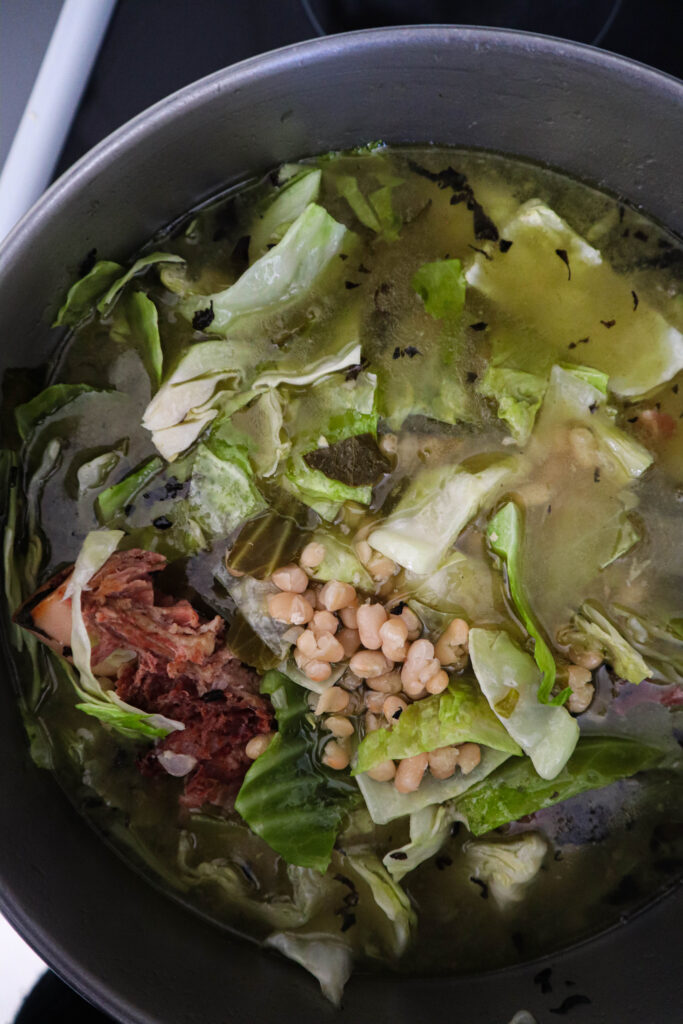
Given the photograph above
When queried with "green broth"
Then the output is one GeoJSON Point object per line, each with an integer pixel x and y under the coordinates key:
{"type": "Point", "coordinates": [612, 850]}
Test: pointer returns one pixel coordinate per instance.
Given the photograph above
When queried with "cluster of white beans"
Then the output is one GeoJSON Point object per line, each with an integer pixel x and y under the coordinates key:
{"type": "Point", "coordinates": [387, 664]}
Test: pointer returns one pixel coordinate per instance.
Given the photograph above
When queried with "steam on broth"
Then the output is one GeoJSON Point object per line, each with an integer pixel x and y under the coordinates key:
{"type": "Point", "coordinates": [371, 473]}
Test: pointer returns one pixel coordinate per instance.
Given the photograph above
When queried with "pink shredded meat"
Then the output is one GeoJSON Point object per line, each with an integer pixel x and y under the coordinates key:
{"type": "Point", "coordinates": [183, 670]}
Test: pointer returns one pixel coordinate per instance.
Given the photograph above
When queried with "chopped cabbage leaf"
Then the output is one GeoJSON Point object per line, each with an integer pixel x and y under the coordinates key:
{"type": "Point", "coordinates": [111, 295]}
{"type": "Point", "coordinates": [516, 789]}
{"type": "Point", "coordinates": [86, 292]}
{"type": "Point", "coordinates": [138, 322]}
{"type": "Point", "coordinates": [519, 396]}
{"type": "Point", "coordinates": [328, 958]}
{"type": "Point", "coordinates": [441, 286]}
{"type": "Point", "coordinates": [289, 203]}
{"type": "Point", "coordinates": [505, 533]}
{"type": "Point", "coordinates": [114, 499]}
{"type": "Point", "coordinates": [258, 428]}
{"type": "Point", "coordinates": [340, 561]}
{"type": "Point", "coordinates": [279, 278]}
{"type": "Point", "coordinates": [507, 866]}
{"type": "Point", "coordinates": [222, 491]}
{"type": "Point", "coordinates": [429, 829]}
{"type": "Point", "coordinates": [434, 510]}
{"type": "Point", "coordinates": [288, 797]}
{"type": "Point", "coordinates": [570, 294]}
{"type": "Point", "coordinates": [458, 715]}
{"type": "Point", "coordinates": [511, 682]}
{"type": "Point", "coordinates": [385, 803]}
{"type": "Point", "coordinates": [389, 897]}
{"type": "Point", "coordinates": [52, 398]}
{"type": "Point", "coordinates": [591, 625]}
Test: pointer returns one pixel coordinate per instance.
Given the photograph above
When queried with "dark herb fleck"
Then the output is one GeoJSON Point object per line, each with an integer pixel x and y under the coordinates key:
{"type": "Point", "coordinates": [343, 256]}
{"type": "Point", "coordinates": [66, 651]}
{"type": "Point", "coordinates": [411, 351]}
{"type": "Point", "coordinates": [635, 300]}
{"type": "Point", "coordinates": [162, 523]}
{"type": "Point", "coordinates": [583, 341]}
{"type": "Point", "coordinates": [398, 608]}
{"type": "Point", "coordinates": [398, 855]}
{"type": "Point", "coordinates": [174, 487]}
{"type": "Point", "coordinates": [396, 354]}
{"type": "Point", "coordinates": [481, 325]}
{"type": "Point", "coordinates": [348, 920]}
{"type": "Point", "coordinates": [572, 344]}
{"type": "Point", "coordinates": [212, 695]}
{"type": "Point", "coordinates": [641, 235]}
{"type": "Point", "coordinates": [608, 323]}
{"type": "Point", "coordinates": [356, 461]}
{"type": "Point", "coordinates": [482, 885]}
{"type": "Point", "coordinates": [471, 376]}
{"type": "Point", "coordinates": [505, 245]}
{"type": "Point", "coordinates": [203, 318]}
{"type": "Point", "coordinates": [558, 855]}
{"type": "Point", "coordinates": [443, 862]}
{"type": "Point", "coordinates": [397, 714]}
{"type": "Point", "coordinates": [633, 419]}
{"type": "Point", "coordinates": [351, 284]}
{"type": "Point", "coordinates": [362, 269]}
{"type": "Point", "coordinates": [88, 263]}
{"type": "Point", "coordinates": [593, 407]}
{"type": "Point", "coordinates": [562, 253]}
{"type": "Point", "coordinates": [549, 510]}
{"type": "Point", "coordinates": [128, 509]}
{"type": "Point", "coordinates": [543, 979]}
{"type": "Point", "coordinates": [569, 1003]}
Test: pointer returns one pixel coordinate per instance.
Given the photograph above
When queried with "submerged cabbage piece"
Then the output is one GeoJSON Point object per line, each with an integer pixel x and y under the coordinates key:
{"type": "Point", "coordinates": [344, 531]}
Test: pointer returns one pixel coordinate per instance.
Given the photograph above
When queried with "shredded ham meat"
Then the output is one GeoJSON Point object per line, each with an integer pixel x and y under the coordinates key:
{"type": "Point", "coordinates": [182, 670]}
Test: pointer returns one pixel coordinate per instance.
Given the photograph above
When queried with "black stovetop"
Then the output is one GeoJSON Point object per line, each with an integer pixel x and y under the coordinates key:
{"type": "Point", "coordinates": [154, 47]}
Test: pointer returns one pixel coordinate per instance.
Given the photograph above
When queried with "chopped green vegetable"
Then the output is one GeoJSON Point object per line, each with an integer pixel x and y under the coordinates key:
{"type": "Point", "coordinates": [429, 829]}
{"type": "Point", "coordinates": [511, 683]}
{"type": "Point", "coordinates": [107, 301]}
{"type": "Point", "coordinates": [519, 396]}
{"type": "Point", "coordinates": [54, 397]}
{"type": "Point", "coordinates": [441, 286]}
{"type": "Point", "coordinates": [86, 292]}
{"type": "Point", "coordinates": [591, 625]}
{"type": "Point", "coordinates": [437, 506]}
{"type": "Point", "coordinates": [289, 203]}
{"type": "Point", "coordinates": [505, 534]}
{"type": "Point", "coordinates": [114, 499]}
{"type": "Point", "coordinates": [288, 797]}
{"type": "Point", "coordinates": [516, 789]}
{"type": "Point", "coordinates": [458, 715]}
{"type": "Point", "coordinates": [507, 866]}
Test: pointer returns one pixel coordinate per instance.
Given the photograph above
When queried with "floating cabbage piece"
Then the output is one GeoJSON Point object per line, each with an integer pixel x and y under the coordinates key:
{"type": "Point", "coordinates": [463, 585]}
{"type": "Point", "coordinates": [288, 797]}
{"type": "Point", "coordinates": [511, 683]}
{"type": "Point", "coordinates": [289, 203]}
{"type": "Point", "coordinates": [222, 492]}
{"type": "Point", "coordinates": [94, 699]}
{"type": "Point", "coordinates": [251, 597]}
{"type": "Point", "coordinates": [285, 274]}
{"type": "Point", "coordinates": [114, 499]}
{"type": "Point", "coordinates": [340, 561]}
{"type": "Point", "coordinates": [376, 211]}
{"type": "Point", "coordinates": [570, 294]}
{"type": "Point", "coordinates": [385, 803]}
{"type": "Point", "coordinates": [389, 897]}
{"type": "Point", "coordinates": [458, 715]}
{"type": "Point", "coordinates": [506, 866]}
{"type": "Point", "coordinates": [138, 321]}
{"type": "Point", "coordinates": [573, 399]}
{"type": "Point", "coordinates": [189, 399]}
{"type": "Point", "coordinates": [258, 428]}
{"type": "Point", "coordinates": [660, 641]}
{"type": "Point", "coordinates": [519, 396]}
{"type": "Point", "coordinates": [591, 626]}
{"type": "Point", "coordinates": [516, 789]}
{"type": "Point", "coordinates": [86, 292]}
{"type": "Point", "coordinates": [441, 286]}
{"type": "Point", "coordinates": [324, 495]}
{"type": "Point", "coordinates": [266, 542]}
{"type": "Point", "coordinates": [437, 506]}
{"type": "Point", "coordinates": [111, 295]}
{"type": "Point", "coordinates": [328, 958]}
{"type": "Point", "coordinates": [52, 398]}
{"type": "Point", "coordinates": [429, 829]}
{"type": "Point", "coordinates": [505, 533]}
{"type": "Point", "coordinates": [94, 473]}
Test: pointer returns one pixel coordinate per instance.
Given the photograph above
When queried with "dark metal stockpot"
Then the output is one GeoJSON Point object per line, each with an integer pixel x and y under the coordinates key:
{"type": "Point", "coordinates": [616, 124]}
